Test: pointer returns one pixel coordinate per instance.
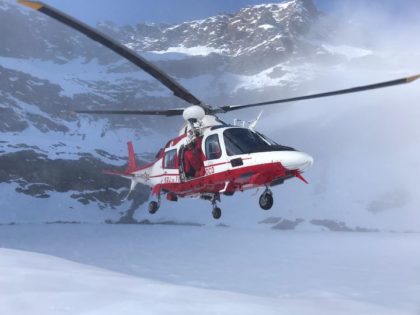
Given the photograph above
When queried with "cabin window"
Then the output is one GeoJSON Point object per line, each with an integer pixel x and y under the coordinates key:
{"type": "Point", "coordinates": [170, 159]}
{"type": "Point", "coordinates": [213, 150]}
{"type": "Point", "coordinates": [243, 141]}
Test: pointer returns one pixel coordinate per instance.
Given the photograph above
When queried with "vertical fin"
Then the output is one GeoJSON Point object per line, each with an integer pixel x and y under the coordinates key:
{"type": "Point", "coordinates": [132, 164]}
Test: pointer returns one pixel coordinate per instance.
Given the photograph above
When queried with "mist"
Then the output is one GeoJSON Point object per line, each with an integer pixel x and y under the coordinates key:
{"type": "Point", "coordinates": [366, 146]}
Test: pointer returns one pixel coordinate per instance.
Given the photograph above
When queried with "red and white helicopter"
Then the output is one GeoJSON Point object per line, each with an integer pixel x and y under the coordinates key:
{"type": "Point", "coordinates": [208, 157]}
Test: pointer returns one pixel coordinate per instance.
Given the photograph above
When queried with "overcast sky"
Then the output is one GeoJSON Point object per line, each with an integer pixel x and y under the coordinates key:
{"type": "Point", "coordinates": [173, 11]}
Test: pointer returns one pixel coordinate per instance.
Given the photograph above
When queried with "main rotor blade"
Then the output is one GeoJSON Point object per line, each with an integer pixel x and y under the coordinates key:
{"type": "Point", "coordinates": [229, 108]}
{"type": "Point", "coordinates": [167, 112]}
{"type": "Point", "coordinates": [118, 48]}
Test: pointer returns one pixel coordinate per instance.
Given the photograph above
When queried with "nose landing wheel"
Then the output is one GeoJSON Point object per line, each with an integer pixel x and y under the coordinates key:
{"type": "Point", "coordinates": [266, 200]}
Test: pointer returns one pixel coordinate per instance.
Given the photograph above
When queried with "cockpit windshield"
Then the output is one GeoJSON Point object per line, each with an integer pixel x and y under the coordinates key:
{"type": "Point", "coordinates": [243, 141]}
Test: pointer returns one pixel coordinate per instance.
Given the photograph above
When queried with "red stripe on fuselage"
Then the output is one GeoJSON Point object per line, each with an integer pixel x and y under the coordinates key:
{"type": "Point", "coordinates": [240, 179]}
{"type": "Point", "coordinates": [228, 162]}
{"type": "Point", "coordinates": [162, 175]}
{"type": "Point", "coordinates": [211, 165]}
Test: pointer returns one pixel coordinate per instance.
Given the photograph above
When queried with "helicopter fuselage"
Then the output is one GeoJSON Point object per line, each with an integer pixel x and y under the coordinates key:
{"type": "Point", "coordinates": [233, 159]}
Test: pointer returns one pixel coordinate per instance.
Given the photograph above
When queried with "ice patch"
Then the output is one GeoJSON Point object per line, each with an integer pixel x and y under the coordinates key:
{"type": "Point", "coordinates": [192, 51]}
{"type": "Point", "coordinates": [266, 26]}
{"type": "Point", "coordinates": [347, 51]}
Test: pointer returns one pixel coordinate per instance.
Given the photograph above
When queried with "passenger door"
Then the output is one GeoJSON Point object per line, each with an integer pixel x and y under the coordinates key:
{"type": "Point", "coordinates": [215, 158]}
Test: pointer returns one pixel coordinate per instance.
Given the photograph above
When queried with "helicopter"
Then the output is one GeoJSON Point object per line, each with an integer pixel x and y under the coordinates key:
{"type": "Point", "coordinates": [209, 157]}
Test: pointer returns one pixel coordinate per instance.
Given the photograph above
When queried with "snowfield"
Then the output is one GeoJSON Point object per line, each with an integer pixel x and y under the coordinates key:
{"type": "Point", "coordinates": [42, 284]}
{"type": "Point", "coordinates": [165, 269]}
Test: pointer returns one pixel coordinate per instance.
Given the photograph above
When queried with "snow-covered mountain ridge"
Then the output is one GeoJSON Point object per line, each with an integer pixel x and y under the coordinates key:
{"type": "Point", "coordinates": [269, 28]}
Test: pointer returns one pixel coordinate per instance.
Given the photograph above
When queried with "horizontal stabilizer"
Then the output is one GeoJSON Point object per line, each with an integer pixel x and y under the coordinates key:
{"type": "Point", "coordinates": [123, 174]}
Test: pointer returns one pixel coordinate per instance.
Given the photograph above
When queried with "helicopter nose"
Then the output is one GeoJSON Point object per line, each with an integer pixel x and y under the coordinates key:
{"type": "Point", "coordinates": [298, 161]}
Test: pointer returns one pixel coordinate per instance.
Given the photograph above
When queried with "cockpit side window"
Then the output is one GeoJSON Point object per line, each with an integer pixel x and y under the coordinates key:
{"type": "Point", "coordinates": [170, 160]}
{"type": "Point", "coordinates": [213, 150]}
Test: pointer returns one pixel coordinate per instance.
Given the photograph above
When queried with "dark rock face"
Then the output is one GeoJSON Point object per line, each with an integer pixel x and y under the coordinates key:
{"type": "Point", "coordinates": [270, 220]}
{"type": "Point", "coordinates": [337, 226]}
{"type": "Point", "coordinates": [37, 176]}
{"type": "Point", "coordinates": [331, 225]}
{"type": "Point", "coordinates": [125, 220]}
{"type": "Point", "coordinates": [288, 224]}
{"type": "Point", "coordinates": [29, 90]}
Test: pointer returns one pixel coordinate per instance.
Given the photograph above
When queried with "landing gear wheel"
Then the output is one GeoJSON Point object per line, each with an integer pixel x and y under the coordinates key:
{"type": "Point", "coordinates": [153, 207]}
{"type": "Point", "coordinates": [266, 201]}
{"type": "Point", "coordinates": [217, 213]}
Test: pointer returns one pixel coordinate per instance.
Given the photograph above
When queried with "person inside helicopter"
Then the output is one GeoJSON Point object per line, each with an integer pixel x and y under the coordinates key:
{"type": "Point", "coordinates": [194, 159]}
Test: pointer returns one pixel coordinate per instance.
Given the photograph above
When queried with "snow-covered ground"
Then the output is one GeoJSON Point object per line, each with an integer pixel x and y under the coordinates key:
{"type": "Point", "coordinates": [164, 269]}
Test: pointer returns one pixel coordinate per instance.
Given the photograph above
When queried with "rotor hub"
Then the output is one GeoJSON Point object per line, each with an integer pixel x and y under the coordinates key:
{"type": "Point", "coordinates": [193, 113]}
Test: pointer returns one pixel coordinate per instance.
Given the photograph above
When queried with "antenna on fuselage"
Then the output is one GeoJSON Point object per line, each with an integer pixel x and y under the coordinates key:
{"type": "Point", "coordinates": [247, 124]}
{"type": "Point", "coordinates": [254, 123]}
